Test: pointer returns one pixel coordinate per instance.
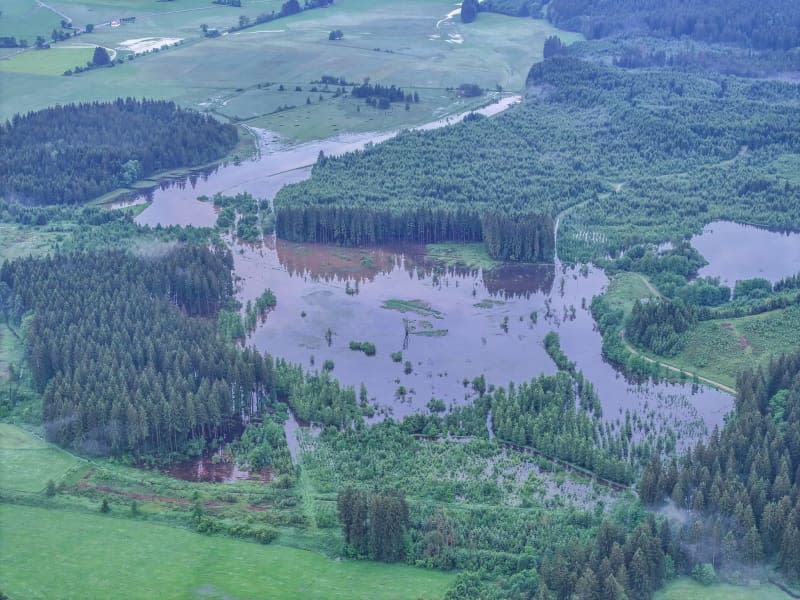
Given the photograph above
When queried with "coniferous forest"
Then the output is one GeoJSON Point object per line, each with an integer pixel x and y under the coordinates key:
{"type": "Point", "coordinates": [771, 24]}
{"type": "Point", "coordinates": [740, 488]}
{"type": "Point", "coordinates": [110, 144]}
{"type": "Point", "coordinates": [504, 180]}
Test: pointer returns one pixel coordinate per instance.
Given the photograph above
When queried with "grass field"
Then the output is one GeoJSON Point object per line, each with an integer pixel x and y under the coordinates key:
{"type": "Point", "coordinates": [95, 556]}
{"type": "Point", "coordinates": [19, 240]}
{"type": "Point", "coordinates": [687, 589]}
{"type": "Point", "coordinates": [625, 289]}
{"type": "Point", "coordinates": [27, 463]}
{"type": "Point", "coordinates": [417, 51]}
{"type": "Point", "coordinates": [25, 19]}
{"type": "Point", "coordinates": [469, 256]}
{"type": "Point", "coordinates": [720, 349]}
{"type": "Point", "coordinates": [48, 62]}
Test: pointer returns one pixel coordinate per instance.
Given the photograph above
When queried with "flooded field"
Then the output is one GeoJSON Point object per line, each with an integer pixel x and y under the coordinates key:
{"type": "Point", "coordinates": [449, 324]}
{"type": "Point", "coordinates": [736, 251]}
{"type": "Point", "coordinates": [435, 328]}
{"type": "Point", "coordinates": [175, 202]}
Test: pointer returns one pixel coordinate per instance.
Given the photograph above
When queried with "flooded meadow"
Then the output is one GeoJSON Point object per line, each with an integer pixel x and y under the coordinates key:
{"type": "Point", "coordinates": [435, 327]}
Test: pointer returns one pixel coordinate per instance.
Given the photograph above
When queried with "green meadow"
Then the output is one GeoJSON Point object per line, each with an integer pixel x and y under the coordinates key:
{"type": "Point", "coordinates": [27, 463]}
{"type": "Point", "coordinates": [687, 589]}
{"type": "Point", "coordinates": [406, 43]}
{"type": "Point", "coordinates": [152, 559]}
{"type": "Point", "coordinates": [89, 555]}
{"type": "Point", "coordinates": [718, 349]}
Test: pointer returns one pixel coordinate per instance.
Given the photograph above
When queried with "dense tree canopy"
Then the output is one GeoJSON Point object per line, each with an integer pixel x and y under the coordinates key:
{"type": "Point", "coordinates": [765, 24]}
{"type": "Point", "coordinates": [489, 179]}
{"type": "Point", "coordinates": [740, 489]}
{"type": "Point", "coordinates": [73, 153]}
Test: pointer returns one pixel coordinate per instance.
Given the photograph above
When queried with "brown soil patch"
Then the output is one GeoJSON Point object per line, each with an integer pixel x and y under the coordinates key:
{"type": "Point", "coordinates": [727, 326]}
{"type": "Point", "coordinates": [743, 343]}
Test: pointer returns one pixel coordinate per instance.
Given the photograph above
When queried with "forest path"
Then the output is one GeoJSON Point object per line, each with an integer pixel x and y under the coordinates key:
{"type": "Point", "coordinates": [560, 216]}
{"type": "Point", "coordinates": [649, 286]}
{"type": "Point", "coordinates": [720, 386]}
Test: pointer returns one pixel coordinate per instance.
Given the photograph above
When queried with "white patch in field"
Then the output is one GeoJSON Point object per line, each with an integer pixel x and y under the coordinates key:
{"type": "Point", "coordinates": [142, 45]}
{"type": "Point", "coordinates": [455, 38]}
{"type": "Point", "coordinates": [450, 15]}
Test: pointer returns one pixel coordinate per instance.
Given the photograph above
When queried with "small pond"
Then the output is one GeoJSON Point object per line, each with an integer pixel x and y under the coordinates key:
{"type": "Point", "coordinates": [736, 251]}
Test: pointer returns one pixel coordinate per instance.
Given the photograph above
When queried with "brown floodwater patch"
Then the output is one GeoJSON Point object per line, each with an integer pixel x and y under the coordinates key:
{"type": "Point", "coordinates": [204, 469]}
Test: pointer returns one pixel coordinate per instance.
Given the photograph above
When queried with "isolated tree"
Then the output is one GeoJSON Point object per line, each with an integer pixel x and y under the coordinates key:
{"type": "Point", "coordinates": [100, 57]}
{"type": "Point", "coordinates": [469, 10]}
{"type": "Point", "coordinates": [290, 7]}
{"type": "Point", "coordinates": [104, 507]}
{"type": "Point", "coordinates": [552, 46]}
{"type": "Point", "coordinates": [89, 28]}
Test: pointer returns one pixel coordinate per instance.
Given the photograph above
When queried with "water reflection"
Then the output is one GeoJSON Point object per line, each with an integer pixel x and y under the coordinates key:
{"type": "Point", "coordinates": [463, 323]}
{"type": "Point", "coordinates": [452, 325]}
{"type": "Point", "coordinates": [736, 251]}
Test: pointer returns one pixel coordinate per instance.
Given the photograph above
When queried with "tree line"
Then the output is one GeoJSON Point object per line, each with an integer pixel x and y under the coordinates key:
{"type": "Point", "coordinates": [110, 144]}
{"type": "Point", "coordinates": [772, 24]}
{"type": "Point", "coordinates": [739, 490]}
{"type": "Point", "coordinates": [373, 523]}
{"type": "Point", "coordinates": [125, 353]}
{"type": "Point", "coordinates": [522, 165]}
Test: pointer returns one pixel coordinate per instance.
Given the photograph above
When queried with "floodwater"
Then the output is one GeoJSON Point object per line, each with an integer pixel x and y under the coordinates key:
{"type": "Point", "coordinates": [175, 202]}
{"type": "Point", "coordinates": [461, 323]}
{"type": "Point", "coordinates": [736, 251]}
{"type": "Point", "coordinates": [204, 469]}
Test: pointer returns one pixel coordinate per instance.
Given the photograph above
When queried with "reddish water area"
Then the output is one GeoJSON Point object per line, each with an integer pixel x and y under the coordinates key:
{"type": "Point", "coordinates": [206, 470]}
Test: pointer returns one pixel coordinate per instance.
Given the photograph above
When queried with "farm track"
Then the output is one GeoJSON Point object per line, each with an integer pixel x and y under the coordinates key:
{"type": "Point", "coordinates": [721, 386]}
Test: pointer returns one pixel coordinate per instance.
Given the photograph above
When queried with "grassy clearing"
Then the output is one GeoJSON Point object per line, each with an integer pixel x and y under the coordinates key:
{"type": "Point", "coordinates": [625, 289]}
{"type": "Point", "coordinates": [687, 589]}
{"type": "Point", "coordinates": [470, 256]}
{"type": "Point", "coordinates": [94, 556]}
{"type": "Point", "coordinates": [11, 350]}
{"type": "Point", "coordinates": [19, 240]}
{"type": "Point", "coordinates": [27, 463]}
{"type": "Point", "coordinates": [414, 306]}
{"type": "Point", "coordinates": [48, 62]}
{"type": "Point", "coordinates": [721, 349]}
{"type": "Point", "coordinates": [330, 116]}
{"type": "Point", "coordinates": [25, 19]}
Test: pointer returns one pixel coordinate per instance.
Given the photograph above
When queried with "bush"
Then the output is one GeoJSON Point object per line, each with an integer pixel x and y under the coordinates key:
{"type": "Point", "coordinates": [704, 574]}
{"type": "Point", "coordinates": [367, 348]}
